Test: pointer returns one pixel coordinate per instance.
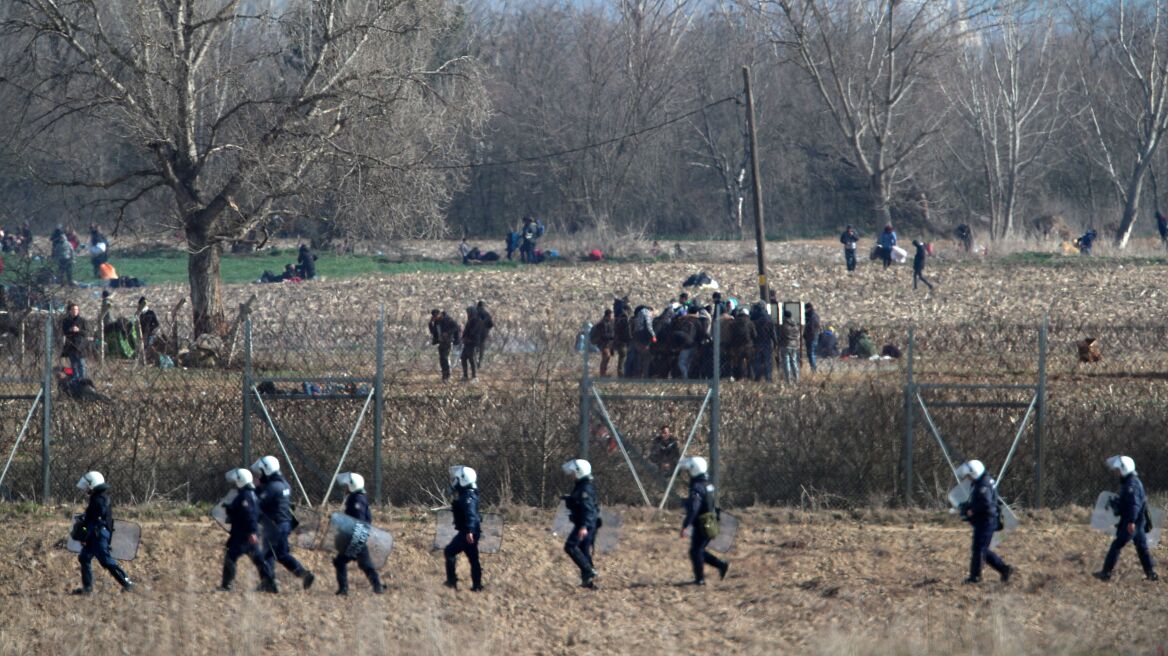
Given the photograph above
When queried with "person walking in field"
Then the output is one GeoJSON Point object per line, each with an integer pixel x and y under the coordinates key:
{"type": "Point", "coordinates": [919, 265]}
{"type": "Point", "coordinates": [357, 507]}
{"type": "Point", "coordinates": [886, 243]}
{"type": "Point", "coordinates": [701, 517]}
{"type": "Point", "coordinates": [472, 337]}
{"type": "Point", "coordinates": [849, 239]}
{"type": "Point", "coordinates": [789, 348]}
{"type": "Point", "coordinates": [243, 515]}
{"type": "Point", "coordinates": [468, 524]}
{"type": "Point", "coordinates": [444, 331]}
{"type": "Point", "coordinates": [811, 329]}
{"type": "Point", "coordinates": [94, 530]}
{"type": "Point", "coordinates": [1132, 507]}
{"type": "Point", "coordinates": [982, 512]}
{"type": "Point", "coordinates": [601, 336]}
{"type": "Point", "coordinates": [275, 497]}
{"type": "Point", "coordinates": [584, 513]}
{"type": "Point", "coordinates": [487, 322]}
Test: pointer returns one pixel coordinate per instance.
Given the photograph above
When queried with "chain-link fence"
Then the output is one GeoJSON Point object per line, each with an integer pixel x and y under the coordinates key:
{"type": "Point", "coordinates": [369, 390]}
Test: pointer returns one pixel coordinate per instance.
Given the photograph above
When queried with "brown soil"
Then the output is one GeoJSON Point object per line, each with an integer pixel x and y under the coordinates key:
{"type": "Point", "coordinates": [798, 584]}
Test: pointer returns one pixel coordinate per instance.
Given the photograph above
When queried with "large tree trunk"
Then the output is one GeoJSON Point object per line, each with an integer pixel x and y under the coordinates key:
{"type": "Point", "coordinates": [203, 271]}
{"type": "Point", "coordinates": [1131, 208]}
{"type": "Point", "coordinates": [878, 193]}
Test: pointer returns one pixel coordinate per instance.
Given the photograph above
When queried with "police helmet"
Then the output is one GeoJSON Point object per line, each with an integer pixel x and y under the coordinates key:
{"type": "Point", "coordinates": [240, 478]}
{"type": "Point", "coordinates": [463, 476]}
{"type": "Point", "coordinates": [90, 480]}
{"type": "Point", "coordinates": [352, 482]}
{"type": "Point", "coordinates": [579, 468]}
{"type": "Point", "coordinates": [267, 465]}
{"type": "Point", "coordinates": [972, 469]}
{"type": "Point", "coordinates": [695, 465]}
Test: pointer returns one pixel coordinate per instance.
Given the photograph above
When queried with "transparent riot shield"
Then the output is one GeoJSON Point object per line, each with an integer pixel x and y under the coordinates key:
{"type": "Point", "coordinates": [490, 541]}
{"type": "Point", "coordinates": [727, 532]}
{"type": "Point", "coordinates": [345, 535]}
{"type": "Point", "coordinates": [219, 511]}
{"type": "Point", "coordinates": [1103, 516]}
{"type": "Point", "coordinates": [960, 494]}
{"type": "Point", "coordinates": [607, 536]}
{"type": "Point", "coordinates": [123, 543]}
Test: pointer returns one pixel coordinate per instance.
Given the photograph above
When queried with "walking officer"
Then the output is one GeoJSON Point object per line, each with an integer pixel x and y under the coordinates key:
{"type": "Point", "coordinates": [94, 530]}
{"type": "Point", "coordinates": [584, 513]}
{"type": "Point", "coordinates": [357, 507]}
{"type": "Point", "coordinates": [982, 512]}
{"type": "Point", "coordinates": [1132, 508]}
{"type": "Point", "coordinates": [275, 497]}
{"type": "Point", "coordinates": [468, 524]}
{"type": "Point", "coordinates": [243, 514]}
{"type": "Point", "coordinates": [701, 515]}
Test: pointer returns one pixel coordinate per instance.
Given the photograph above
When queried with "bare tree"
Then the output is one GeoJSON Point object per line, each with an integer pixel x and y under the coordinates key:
{"type": "Point", "coordinates": [227, 113]}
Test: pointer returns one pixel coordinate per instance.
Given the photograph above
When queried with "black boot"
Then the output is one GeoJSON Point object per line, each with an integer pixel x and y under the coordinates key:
{"type": "Point", "coordinates": [1102, 575]}
{"type": "Point", "coordinates": [269, 586]}
{"type": "Point", "coordinates": [228, 576]}
{"type": "Point", "coordinates": [122, 579]}
{"type": "Point", "coordinates": [306, 578]}
{"type": "Point", "coordinates": [451, 583]}
{"type": "Point", "coordinates": [375, 582]}
{"type": "Point", "coordinates": [83, 590]}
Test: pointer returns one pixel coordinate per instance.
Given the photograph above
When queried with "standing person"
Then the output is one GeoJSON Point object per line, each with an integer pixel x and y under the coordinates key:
{"type": "Point", "coordinates": [26, 238]}
{"type": "Point", "coordinates": [472, 336]}
{"type": "Point", "coordinates": [147, 323]}
{"type": "Point", "coordinates": [1132, 508]}
{"type": "Point", "coordinates": [919, 265]}
{"type": "Point", "coordinates": [601, 336]}
{"type": "Point", "coordinates": [306, 263]}
{"type": "Point", "coordinates": [243, 515]}
{"type": "Point", "coordinates": [702, 518]}
{"type": "Point", "coordinates": [789, 348]}
{"type": "Point", "coordinates": [275, 497]}
{"type": "Point", "coordinates": [98, 249]}
{"type": "Point", "coordinates": [764, 345]}
{"type": "Point", "coordinates": [73, 328]}
{"type": "Point", "coordinates": [886, 242]}
{"type": "Point", "coordinates": [622, 334]}
{"type": "Point", "coordinates": [444, 331]}
{"type": "Point", "coordinates": [487, 322]}
{"type": "Point", "coordinates": [357, 507]}
{"type": "Point", "coordinates": [528, 238]}
{"type": "Point", "coordinates": [982, 512]}
{"type": "Point", "coordinates": [1162, 227]}
{"type": "Point", "coordinates": [62, 254]}
{"type": "Point", "coordinates": [664, 450]}
{"type": "Point", "coordinates": [94, 530]}
{"type": "Point", "coordinates": [742, 336]}
{"type": "Point", "coordinates": [849, 239]}
{"type": "Point", "coordinates": [468, 524]}
{"type": "Point", "coordinates": [644, 338]}
{"type": "Point", "coordinates": [811, 329]}
{"type": "Point", "coordinates": [584, 513]}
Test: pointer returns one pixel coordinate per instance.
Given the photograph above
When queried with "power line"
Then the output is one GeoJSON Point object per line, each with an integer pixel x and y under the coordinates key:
{"type": "Point", "coordinates": [570, 151]}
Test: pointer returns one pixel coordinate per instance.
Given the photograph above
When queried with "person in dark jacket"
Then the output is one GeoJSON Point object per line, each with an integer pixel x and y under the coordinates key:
{"type": "Point", "coordinates": [849, 239]}
{"type": "Point", "coordinates": [664, 451]}
{"type": "Point", "coordinates": [919, 264]}
{"type": "Point", "coordinates": [276, 519]}
{"type": "Point", "coordinates": [687, 333]}
{"type": "Point", "coordinates": [601, 336]}
{"type": "Point", "coordinates": [789, 348]}
{"type": "Point", "coordinates": [699, 510]}
{"type": "Point", "coordinates": [243, 515]}
{"type": "Point", "coordinates": [584, 513]}
{"type": "Point", "coordinates": [98, 523]}
{"type": "Point", "coordinates": [472, 337]}
{"type": "Point", "coordinates": [357, 507]}
{"type": "Point", "coordinates": [622, 333]}
{"type": "Point", "coordinates": [1086, 242]}
{"type": "Point", "coordinates": [468, 524]}
{"type": "Point", "coordinates": [147, 322]}
{"type": "Point", "coordinates": [98, 249]}
{"type": "Point", "coordinates": [982, 512]}
{"type": "Point", "coordinates": [444, 331]}
{"type": "Point", "coordinates": [885, 243]}
{"type": "Point", "coordinates": [73, 328]}
{"type": "Point", "coordinates": [811, 329]}
{"type": "Point", "coordinates": [62, 254]}
{"type": "Point", "coordinates": [1132, 507]}
{"type": "Point", "coordinates": [488, 323]}
{"type": "Point", "coordinates": [306, 263]}
{"type": "Point", "coordinates": [742, 337]}
{"type": "Point", "coordinates": [766, 336]}
{"type": "Point", "coordinates": [1162, 228]}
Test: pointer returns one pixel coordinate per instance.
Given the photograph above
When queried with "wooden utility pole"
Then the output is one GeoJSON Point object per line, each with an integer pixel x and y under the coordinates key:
{"type": "Point", "coordinates": [756, 189]}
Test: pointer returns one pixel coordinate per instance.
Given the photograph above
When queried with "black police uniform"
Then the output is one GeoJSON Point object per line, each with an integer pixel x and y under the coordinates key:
{"type": "Point", "coordinates": [701, 502]}
{"type": "Point", "coordinates": [1131, 506]}
{"type": "Point", "coordinates": [584, 513]}
{"type": "Point", "coordinates": [276, 508]}
{"type": "Point", "coordinates": [99, 528]}
{"type": "Point", "coordinates": [357, 507]}
{"type": "Point", "coordinates": [243, 514]}
{"type": "Point", "coordinates": [981, 511]}
{"type": "Point", "coordinates": [467, 521]}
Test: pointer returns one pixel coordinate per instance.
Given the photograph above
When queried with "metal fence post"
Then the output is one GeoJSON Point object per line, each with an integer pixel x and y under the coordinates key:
{"type": "Point", "coordinates": [585, 400]}
{"type": "Point", "coordinates": [378, 406]}
{"type": "Point", "coordinates": [716, 401]}
{"type": "Point", "coordinates": [47, 427]}
{"type": "Point", "coordinates": [1040, 416]}
{"type": "Point", "coordinates": [909, 392]}
{"type": "Point", "coordinates": [247, 387]}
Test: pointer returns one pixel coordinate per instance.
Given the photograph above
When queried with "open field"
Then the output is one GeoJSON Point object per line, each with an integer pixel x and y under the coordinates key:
{"type": "Point", "coordinates": [868, 582]}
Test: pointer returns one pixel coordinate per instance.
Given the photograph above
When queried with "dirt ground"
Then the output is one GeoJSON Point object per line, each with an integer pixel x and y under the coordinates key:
{"type": "Point", "coordinates": [799, 583]}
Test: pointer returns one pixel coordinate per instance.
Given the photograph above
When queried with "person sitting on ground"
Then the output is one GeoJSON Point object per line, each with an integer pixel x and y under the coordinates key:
{"type": "Point", "coordinates": [664, 451]}
{"type": "Point", "coordinates": [290, 274]}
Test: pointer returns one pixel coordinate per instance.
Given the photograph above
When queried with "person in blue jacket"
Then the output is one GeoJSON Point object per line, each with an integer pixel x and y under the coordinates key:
{"type": "Point", "coordinates": [886, 241]}
{"type": "Point", "coordinates": [357, 507]}
{"type": "Point", "coordinates": [584, 513]}
{"type": "Point", "coordinates": [243, 515]}
{"type": "Point", "coordinates": [276, 519]}
{"type": "Point", "coordinates": [699, 508]}
{"type": "Point", "coordinates": [468, 524]}
{"type": "Point", "coordinates": [982, 512]}
{"type": "Point", "coordinates": [98, 527]}
{"type": "Point", "coordinates": [1132, 508]}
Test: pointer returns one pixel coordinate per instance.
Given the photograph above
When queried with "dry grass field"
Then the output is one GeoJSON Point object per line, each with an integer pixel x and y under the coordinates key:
{"type": "Point", "coordinates": [868, 582]}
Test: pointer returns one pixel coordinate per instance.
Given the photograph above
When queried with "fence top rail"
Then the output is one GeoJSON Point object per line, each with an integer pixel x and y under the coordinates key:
{"type": "Point", "coordinates": [975, 386]}
{"type": "Point", "coordinates": [976, 404]}
{"type": "Point", "coordinates": [311, 379]}
{"type": "Point", "coordinates": [652, 397]}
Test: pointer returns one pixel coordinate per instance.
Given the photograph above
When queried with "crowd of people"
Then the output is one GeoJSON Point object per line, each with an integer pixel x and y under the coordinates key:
{"type": "Point", "coordinates": [304, 269]}
{"type": "Point", "coordinates": [446, 332]}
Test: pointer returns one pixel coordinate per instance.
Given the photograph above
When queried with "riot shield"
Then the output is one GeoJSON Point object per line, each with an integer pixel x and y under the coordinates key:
{"type": "Point", "coordinates": [219, 512]}
{"type": "Point", "coordinates": [348, 536]}
{"type": "Point", "coordinates": [607, 536]}
{"type": "Point", "coordinates": [490, 541]}
{"type": "Point", "coordinates": [960, 494]}
{"type": "Point", "coordinates": [1103, 517]}
{"type": "Point", "coordinates": [123, 543]}
{"type": "Point", "coordinates": [727, 531]}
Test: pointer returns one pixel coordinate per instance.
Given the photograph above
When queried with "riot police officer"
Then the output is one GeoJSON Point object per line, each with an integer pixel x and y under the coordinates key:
{"type": "Point", "coordinates": [702, 516]}
{"type": "Point", "coordinates": [357, 507]}
{"type": "Point", "coordinates": [94, 530]}
{"type": "Point", "coordinates": [275, 497]}
{"type": "Point", "coordinates": [243, 514]}
{"type": "Point", "coordinates": [468, 524]}
{"type": "Point", "coordinates": [982, 512]}
{"type": "Point", "coordinates": [1132, 508]}
{"type": "Point", "coordinates": [584, 513]}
